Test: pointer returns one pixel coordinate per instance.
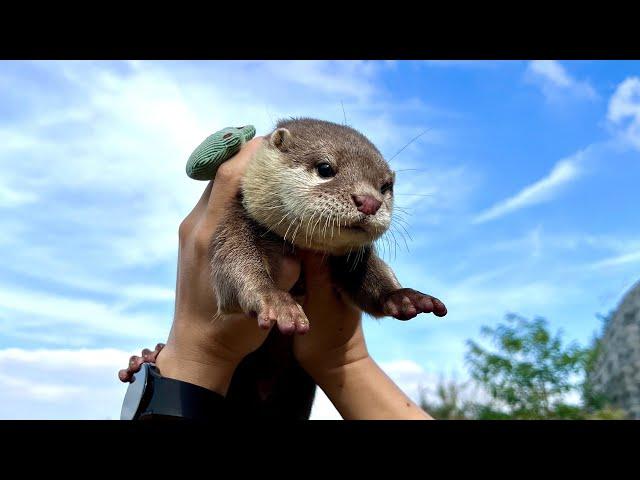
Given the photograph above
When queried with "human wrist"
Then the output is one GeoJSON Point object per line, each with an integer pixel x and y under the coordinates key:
{"type": "Point", "coordinates": [210, 371]}
{"type": "Point", "coordinates": [360, 390]}
{"type": "Point", "coordinates": [323, 368]}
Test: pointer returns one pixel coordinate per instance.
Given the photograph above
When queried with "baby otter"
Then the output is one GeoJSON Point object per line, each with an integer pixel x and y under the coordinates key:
{"type": "Point", "coordinates": [313, 185]}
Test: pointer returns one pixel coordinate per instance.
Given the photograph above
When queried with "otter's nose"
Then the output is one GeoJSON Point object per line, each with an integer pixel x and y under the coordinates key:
{"type": "Point", "coordinates": [366, 204]}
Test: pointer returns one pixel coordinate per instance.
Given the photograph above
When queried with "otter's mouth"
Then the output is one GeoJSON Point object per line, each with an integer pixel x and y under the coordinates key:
{"type": "Point", "coordinates": [356, 228]}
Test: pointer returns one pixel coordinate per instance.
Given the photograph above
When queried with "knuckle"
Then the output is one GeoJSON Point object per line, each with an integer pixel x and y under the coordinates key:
{"type": "Point", "coordinates": [202, 241]}
{"type": "Point", "coordinates": [226, 172]}
{"type": "Point", "coordinates": [255, 141]}
{"type": "Point", "coordinates": [184, 230]}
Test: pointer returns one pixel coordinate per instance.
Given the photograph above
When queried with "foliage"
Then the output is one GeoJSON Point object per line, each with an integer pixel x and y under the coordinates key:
{"type": "Point", "coordinates": [529, 373]}
{"type": "Point", "coordinates": [449, 404]}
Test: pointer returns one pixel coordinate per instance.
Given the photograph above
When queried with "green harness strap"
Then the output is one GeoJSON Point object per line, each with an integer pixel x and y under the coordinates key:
{"type": "Point", "coordinates": [216, 149]}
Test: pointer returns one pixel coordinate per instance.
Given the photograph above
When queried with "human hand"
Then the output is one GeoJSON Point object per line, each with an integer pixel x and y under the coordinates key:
{"type": "Point", "coordinates": [335, 354]}
{"type": "Point", "coordinates": [336, 337]}
{"type": "Point", "coordinates": [203, 347]}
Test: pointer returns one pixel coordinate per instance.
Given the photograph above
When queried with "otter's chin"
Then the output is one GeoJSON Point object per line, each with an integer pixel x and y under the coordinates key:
{"type": "Point", "coordinates": [344, 241]}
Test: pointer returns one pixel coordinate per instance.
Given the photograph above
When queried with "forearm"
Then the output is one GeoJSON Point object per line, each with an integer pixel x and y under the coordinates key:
{"type": "Point", "coordinates": [360, 390]}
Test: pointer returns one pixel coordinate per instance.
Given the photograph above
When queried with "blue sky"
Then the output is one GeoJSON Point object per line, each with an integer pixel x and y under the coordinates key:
{"type": "Point", "coordinates": [522, 197]}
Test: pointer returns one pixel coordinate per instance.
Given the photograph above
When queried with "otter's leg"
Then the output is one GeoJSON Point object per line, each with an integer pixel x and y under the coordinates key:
{"type": "Point", "coordinates": [373, 287]}
{"type": "Point", "coordinates": [242, 262]}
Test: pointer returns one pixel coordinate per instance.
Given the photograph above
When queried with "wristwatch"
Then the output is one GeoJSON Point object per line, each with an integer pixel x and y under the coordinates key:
{"type": "Point", "coordinates": [150, 395]}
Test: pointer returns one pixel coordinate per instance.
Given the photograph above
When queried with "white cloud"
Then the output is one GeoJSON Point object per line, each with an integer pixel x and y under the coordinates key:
{"type": "Point", "coordinates": [51, 312]}
{"type": "Point", "coordinates": [464, 63]}
{"type": "Point", "coordinates": [543, 190]}
{"type": "Point", "coordinates": [618, 260]}
{"type": "Point", "coordinates": [555, 81]}
{"type": "Point", "coordinates": [350, 79]}
{"type": "Point", "coordinates": [552, 71]}
{"type": "Point", "coordinates": [61, 384]}
{"type": "Point", "coordinates": [12, 198]}
{"type": "Point", "coordinates": [624, 110]}
{"type": "Point", "coordinates": [623, 114]}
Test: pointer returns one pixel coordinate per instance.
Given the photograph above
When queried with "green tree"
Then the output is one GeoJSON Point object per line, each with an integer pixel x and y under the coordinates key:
{"type": "Point", "coordinates": [449, 403]}
{"type": "Point", "coordinates": [528, 373]}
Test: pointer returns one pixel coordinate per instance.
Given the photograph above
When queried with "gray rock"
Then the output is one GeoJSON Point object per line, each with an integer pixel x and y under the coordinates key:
{"type": "Point", "coordinates": [617, 369]}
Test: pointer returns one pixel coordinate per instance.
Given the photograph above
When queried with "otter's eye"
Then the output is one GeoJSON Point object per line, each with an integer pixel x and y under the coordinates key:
{"type": "Point", "coordinates": [387, 187]}
{"type": "Point", "coordinates": [325, 170]}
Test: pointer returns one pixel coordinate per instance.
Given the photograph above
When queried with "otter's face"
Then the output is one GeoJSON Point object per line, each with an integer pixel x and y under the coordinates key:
{"type": "Point", "coordinates": [320, 186]}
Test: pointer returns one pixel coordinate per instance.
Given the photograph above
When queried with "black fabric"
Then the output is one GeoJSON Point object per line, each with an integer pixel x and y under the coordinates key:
{"type": "Point", "coordinates": [270, 384]}
{"type": "Point", "coordinates": [168, 397]}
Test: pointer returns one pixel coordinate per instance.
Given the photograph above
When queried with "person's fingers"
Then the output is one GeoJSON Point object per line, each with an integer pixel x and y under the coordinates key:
{"type": "Point", "coordinates": [125, 375]}
{"type": "Point", "coordinates": [229, 174]}
{"type": "Point", "coordinates": [204, 198]}
{"type": "Point", "coordinates": [190, 222]}
{"type": "Point", "coordinates": [135, 363]}
{"type": "Point", "coordinates": [226, 186]}
{"type": "Point", "coordinates": [150, 356]}
{"type": "Point", "coordinates": [201, 206]}
{"type": "Point", "coordinates": [221, 190]}
{"type": "Point", "coordinates": [156, 351]}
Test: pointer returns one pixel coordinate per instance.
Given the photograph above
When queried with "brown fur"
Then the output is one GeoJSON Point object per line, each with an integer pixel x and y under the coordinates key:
{"type": "Point", "coordinates": [284, 203]}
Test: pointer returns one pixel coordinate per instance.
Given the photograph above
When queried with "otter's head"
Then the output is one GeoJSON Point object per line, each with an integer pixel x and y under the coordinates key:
{"type": "Point", "coordinates": [320, 185]}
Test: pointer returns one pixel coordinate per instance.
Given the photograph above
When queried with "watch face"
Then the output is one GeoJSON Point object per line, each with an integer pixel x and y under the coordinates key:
{"type": "Point", "coordinates": [134, 394]}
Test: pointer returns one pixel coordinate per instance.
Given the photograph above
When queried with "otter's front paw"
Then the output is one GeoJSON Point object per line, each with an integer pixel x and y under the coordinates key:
{"type": "Point", "coordinates": [406, 303]}
{"type": "Point", "coordinates": [279, 307]}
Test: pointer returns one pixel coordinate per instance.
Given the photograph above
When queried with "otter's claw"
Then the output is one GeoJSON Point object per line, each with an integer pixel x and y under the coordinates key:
{"type": "Point", "coordinates": [281, 308]}
{"type": "Point", "coordinates": [406, 303]}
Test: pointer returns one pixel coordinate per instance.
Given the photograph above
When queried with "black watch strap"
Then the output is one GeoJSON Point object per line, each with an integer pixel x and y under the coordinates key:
{"type": "Point", "coordinates": [167, 397]}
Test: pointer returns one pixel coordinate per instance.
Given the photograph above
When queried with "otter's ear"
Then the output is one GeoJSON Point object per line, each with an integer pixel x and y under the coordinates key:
{"type": "Point", "coordinates": [281, 139]}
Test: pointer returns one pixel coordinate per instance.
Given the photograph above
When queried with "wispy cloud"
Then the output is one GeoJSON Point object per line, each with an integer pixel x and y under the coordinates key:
{"type": "Point", "coordinates": [32, 308]}
{"type": "Point", "coordinates": [13, 198]}
{"type": "Point", "coordinates": [623, 114]}
{"type": "Point", "coordinates": [61, 384]}
{"type": "Point", "coordinates": [624, 110]}
{"type": "Point", "coordinates": [554, 80]}
{"type": "Point", "coordinates": [618, 260]}
{"type": "Point", "coordinates": [463, 63]}
{"type": "Point", "coordinates": [543, 190]}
